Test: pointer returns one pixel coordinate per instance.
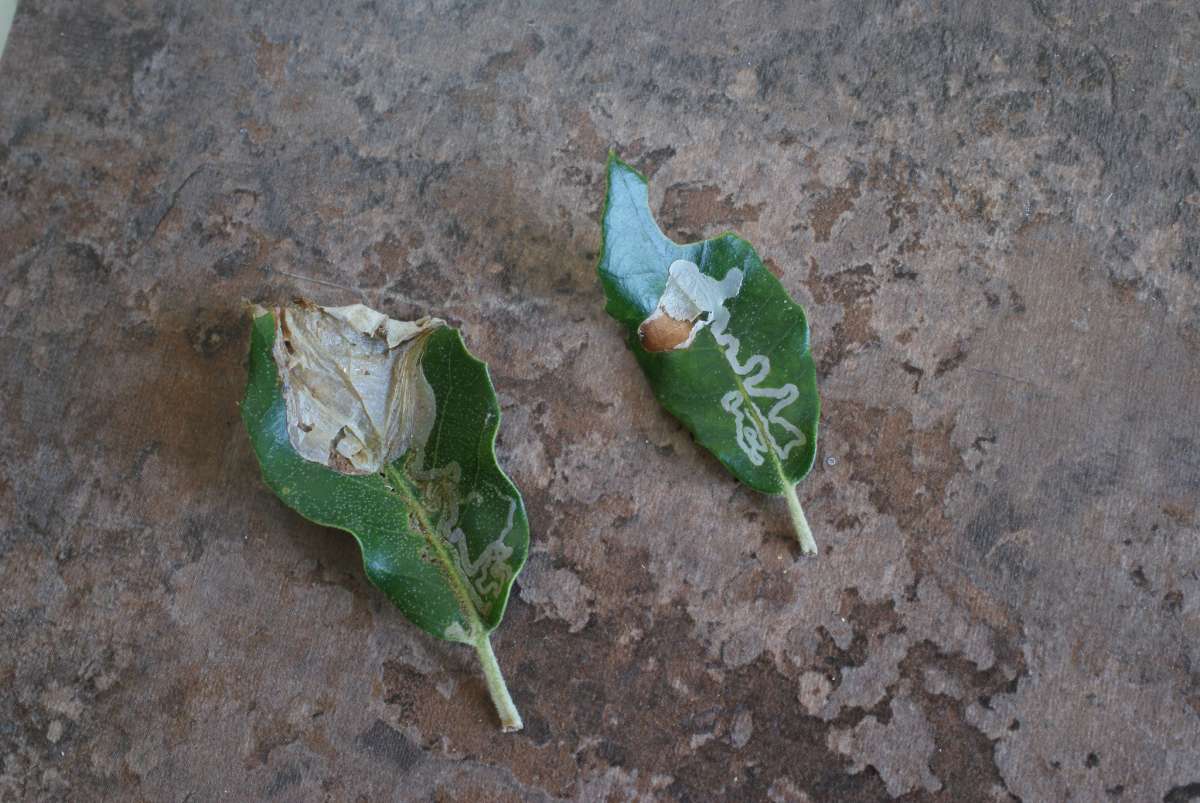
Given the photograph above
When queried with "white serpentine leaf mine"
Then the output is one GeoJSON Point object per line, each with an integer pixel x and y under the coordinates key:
{"type": "Point", "coordinates": [355, 393]}
{"type": "Point", "coordinates": [490, 571]}
{"type": "Point", "coordinates": [696, 300]}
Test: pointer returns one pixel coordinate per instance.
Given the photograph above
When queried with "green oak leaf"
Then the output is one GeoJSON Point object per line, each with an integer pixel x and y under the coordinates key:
{"type": "Point", "coordinates": [723, 345]}
{"type": "Point", "coordinates": [442, 529]}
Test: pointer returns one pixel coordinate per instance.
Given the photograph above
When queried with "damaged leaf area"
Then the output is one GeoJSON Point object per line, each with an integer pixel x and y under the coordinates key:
{"type": "Point", "coordinates": [355, 393]}
{"type": "Point", "coordinates": [723, 345]}
{"type": "Point", "coordinates": [386, 429]}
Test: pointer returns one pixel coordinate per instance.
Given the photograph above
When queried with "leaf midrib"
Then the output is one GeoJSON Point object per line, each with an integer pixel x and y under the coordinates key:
{"type": "Point", "coordinates": [449, 567]}
{"type": "Point", "coordinates": [756, 416]}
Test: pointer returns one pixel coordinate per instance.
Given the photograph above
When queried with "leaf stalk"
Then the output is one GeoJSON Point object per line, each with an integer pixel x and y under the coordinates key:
{"type": "Point", "coordinates": [510, 718]}
{"type": "Point", "coordinates": [803, 534]}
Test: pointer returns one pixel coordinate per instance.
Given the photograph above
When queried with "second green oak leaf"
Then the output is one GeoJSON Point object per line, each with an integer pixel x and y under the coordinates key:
{"type": "Point", "coordinates": [724, 347]}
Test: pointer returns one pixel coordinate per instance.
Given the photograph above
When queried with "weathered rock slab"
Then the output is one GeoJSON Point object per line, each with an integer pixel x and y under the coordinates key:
{"type": "Point", "coordinates": [990, 210]}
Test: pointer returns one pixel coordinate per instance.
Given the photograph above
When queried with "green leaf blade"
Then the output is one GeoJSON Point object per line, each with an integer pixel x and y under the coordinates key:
{"type": "Point", "coordinates": [464, 435]}
{"type": "Point", "coordinates": [755, 359]}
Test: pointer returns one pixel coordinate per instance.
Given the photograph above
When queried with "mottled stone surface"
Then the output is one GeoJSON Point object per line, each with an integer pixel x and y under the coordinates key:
{"type": "Point", "coordinates": [990, 210]}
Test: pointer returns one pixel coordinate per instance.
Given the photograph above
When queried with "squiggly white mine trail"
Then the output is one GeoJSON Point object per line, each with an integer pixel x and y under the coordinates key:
{"type": "Point", "coordinates": [688, 295]}
{"type": "Point", "coordinates": [490, 571]}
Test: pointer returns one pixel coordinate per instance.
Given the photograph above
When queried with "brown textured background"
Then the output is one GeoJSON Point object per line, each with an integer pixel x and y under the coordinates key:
{"type": "Point", "coordinates": [990, 210]}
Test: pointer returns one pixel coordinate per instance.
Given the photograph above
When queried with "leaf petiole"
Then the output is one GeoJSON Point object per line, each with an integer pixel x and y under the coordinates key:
{"type": "Point", "coordinates": [510, 718]}
{"type": "Point", "coordinates": [803, 534]}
